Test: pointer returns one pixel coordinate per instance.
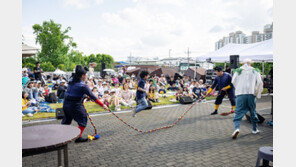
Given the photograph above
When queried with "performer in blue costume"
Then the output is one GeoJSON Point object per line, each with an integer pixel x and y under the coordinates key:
{"type": "Point", "coordinates": [222, 83]}
{"type": "Point", "coordinates": [73, 103]}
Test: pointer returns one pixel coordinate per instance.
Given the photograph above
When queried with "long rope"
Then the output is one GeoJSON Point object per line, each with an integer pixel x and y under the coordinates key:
{"type": "Point", "coordinates": [153, 130]}
{"type": "Point", "coordinates": [139, 130]}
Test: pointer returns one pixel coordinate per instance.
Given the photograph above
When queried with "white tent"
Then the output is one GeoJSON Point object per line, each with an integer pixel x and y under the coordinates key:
{"type": "Point", "coordinates": [261, 51]}
{"type": "Point", "coordinates": [59, 72]}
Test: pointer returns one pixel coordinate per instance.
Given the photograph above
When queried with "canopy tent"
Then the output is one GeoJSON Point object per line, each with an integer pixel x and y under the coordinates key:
{"type": "Point", "coordinates": [59, 72]}
{"type": "Point", "coordinates": [122, 62]}
{"type": "Point", "coordinates": [28, 51]}
{"type": "Point", "coordinates": [260, 51]}
{"type": "Point", "coordinates": [165, 71]}
{"type": "Point", "coordinates": [200, 73]}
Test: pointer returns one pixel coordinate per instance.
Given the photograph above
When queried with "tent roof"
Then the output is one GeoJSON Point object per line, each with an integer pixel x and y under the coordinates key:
{"type": "Point", "coordinates": [28, 51]}
{"type": "Point", "coordinates": [256, 51]}
{"type": "Point", "coordinates": [166, 71]}
{"type": "Point", "coordinates": [200, 71]}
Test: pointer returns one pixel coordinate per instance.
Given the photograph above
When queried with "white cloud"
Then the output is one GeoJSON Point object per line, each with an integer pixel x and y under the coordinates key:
{"type": "Point", "coordinates": [82, 4]}
{"type": "Point", "coordinates": [149, 28]}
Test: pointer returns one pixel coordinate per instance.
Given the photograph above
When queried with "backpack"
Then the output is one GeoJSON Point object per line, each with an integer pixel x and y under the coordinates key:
{"type": "Point", "coordinates": [51, 98]}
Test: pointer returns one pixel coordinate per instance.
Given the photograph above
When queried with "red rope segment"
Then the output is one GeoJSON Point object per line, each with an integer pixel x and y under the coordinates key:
{"type": "Point", "coordinates": [153, 130]}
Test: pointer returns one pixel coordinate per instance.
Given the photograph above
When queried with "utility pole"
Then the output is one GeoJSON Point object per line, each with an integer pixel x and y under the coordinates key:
{"type": "Point", "coordinates": [188, 52]}
{"type": "Point", "coordinates": [170, 57]}
{"type": "Point", "coordinates": [130, 58]}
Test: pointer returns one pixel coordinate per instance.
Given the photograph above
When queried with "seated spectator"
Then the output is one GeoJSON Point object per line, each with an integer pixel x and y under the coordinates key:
{"type": "Point", "coordinates": [204, 89]}
{"type": "Point", "coordinates": [117, 89]}
{"type": "Point", "coordinates": [162, 90]}
{"type": "Point", "coordinates": [120, 78]}
{"type": "Point", "coordinates": [105, 98]}
{"type": "Point", "coordinates": [90, 83]}
{"type": "Point", "coordinates": [114, 81]}
{"type": "Point", "coordinates": [179, 94]}
{"type": "Point", "coordinates": [40, 91]}
{"type": "Point", "coordinates": [61, 90]}
{"type": "Point", "coordinates": [32, 92]}
{"type": "Point", "coordinates": [127, 95]}
{"type": "Point", "coordinates": [171, 81]}
{"type": "Point", "coordinates": [152, 94]}
{"type": "Point", "coordinates": [26, 105]}
{"type": "Point", "coordinates": [173, 87]}
{"type": "Point", "coordinates": [200, 82]}
{"type": "Point", "coordinates": [162, 80]}
{"type": "Point", "coordinates": [95, 92]}
{"type": "Point", "coordinates": [186, 92]}
{"type": "Point", "coordinates": [115, 101]}
{"type": "Point", "coordinates": [196, 92]}
{"type": "Point", "coordinates": [192, 85]}
{"type": "Point", "coordinates": [105, 87]}
{"type": "Point", "coordinates": [46, 91]}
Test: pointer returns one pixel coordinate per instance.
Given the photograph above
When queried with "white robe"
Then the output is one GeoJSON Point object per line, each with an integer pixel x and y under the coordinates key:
{"type": "Point", "coordinates": [248, 82]}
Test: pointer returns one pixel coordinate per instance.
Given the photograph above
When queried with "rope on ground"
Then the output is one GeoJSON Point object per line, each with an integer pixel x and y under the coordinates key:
{"type": "Point", "coordinates": [153, 130]}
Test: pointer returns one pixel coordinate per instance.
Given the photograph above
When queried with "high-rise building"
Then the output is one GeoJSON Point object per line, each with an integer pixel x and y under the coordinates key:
{"type": "Point", "coordinates": [239, 37]}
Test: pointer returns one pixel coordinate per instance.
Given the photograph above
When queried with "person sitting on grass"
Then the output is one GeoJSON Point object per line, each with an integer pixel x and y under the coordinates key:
{"type": "Point", "coordinates": [61, 90]}
{"type": "Point", "coordinates": [95, 92]}
{"type": "Point", "coordinates": [115, 101]}
{"type": "Point", "coordinates": [186, 92]}
{"type": "Point", "coordinates": [26, 106]}
{"type": "Point", "coordinates": [127, 95]}
{"type": "Point", "coordinates": [117, 89]}
{"type": "Point", "coordinates": [40, 91]}
{"type": "Point", "coordinates": [105, 98]}
{"type": "Point", "coordinates": [152, 94]}
{"type": "Point", "coordinates": [173, 87]}
{"type": "Point", "coordinates": [162, 90]}
{"type": "Point", "coordinates": [196, 92]}
{"type": "Point", "coordinates": [179, 94]}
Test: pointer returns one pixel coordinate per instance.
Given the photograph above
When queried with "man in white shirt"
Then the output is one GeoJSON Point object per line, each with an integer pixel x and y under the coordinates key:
{"type": "Point", "coordinates": [248, 85]}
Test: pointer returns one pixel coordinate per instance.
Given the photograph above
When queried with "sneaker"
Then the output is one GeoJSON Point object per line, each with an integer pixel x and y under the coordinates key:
{"type": "Point", "coordinates": [255, 131]}
{"type": "Point", "coordinates": [215, 112]}
{"type": "Point", "coordinates": [235, 133]}
{"type": "Point", "coordinates": [134, 113]}
{"type": "Point", "coordinates": [30, 115]}
{"type": "Point", "coordinates": [81, 139]}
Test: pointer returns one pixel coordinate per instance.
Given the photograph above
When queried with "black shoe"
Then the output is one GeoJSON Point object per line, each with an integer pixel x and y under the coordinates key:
{"type": "Point", "coordinates": [214, 113]}
{"type": "Point", "coordinates": [81, 139]}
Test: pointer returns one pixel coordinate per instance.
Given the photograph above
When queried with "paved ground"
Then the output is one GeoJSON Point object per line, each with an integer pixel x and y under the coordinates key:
{"type": "Point", "coordinates": [197, 140]}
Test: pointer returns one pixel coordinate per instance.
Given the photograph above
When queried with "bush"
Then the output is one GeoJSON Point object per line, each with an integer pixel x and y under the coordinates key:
{"type": "Point", "coordinates": [30, 65]}
{"type": "Point", "coordinates": [47, 66]}
{"type": "Point", "coordinates": [62, 67]}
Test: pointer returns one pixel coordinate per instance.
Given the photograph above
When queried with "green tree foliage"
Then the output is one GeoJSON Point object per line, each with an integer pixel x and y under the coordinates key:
{"type": "Point", "coordinates": [28, 61]}
{"type": "Point", "coordinates": [55, 43]}
{"type": "Point", "coordinates": [57, 50]}
{"type": "Point", "coordinates": [47, 66]}
{"type": "Point", "coordinates": [62, 67]}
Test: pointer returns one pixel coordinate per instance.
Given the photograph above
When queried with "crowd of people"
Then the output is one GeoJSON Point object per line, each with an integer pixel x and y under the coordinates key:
{"type": "Point", "coordinates": [113, 90]}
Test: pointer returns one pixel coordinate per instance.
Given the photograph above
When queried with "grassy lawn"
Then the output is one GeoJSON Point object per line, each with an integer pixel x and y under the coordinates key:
{"type": "Point", "coordinates": [92, 107]}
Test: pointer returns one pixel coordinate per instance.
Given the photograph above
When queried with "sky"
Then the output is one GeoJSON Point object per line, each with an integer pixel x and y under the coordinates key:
{"type": "Point", "coordinates": [147, 28]}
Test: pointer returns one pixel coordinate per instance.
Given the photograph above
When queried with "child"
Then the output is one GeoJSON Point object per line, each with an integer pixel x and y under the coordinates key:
{"type": "Point", "coordinates": [26, 105]}
{"type": "Point", "coordinates": [114, 100]}
{"type": "Point", "coordinates": [186, 92]}
{"type": "Point", "coordinates": [105, 98]}
{"type": "Point", "coordinates": [162, 90]}
{"type": "Point", "coordinates": [196, 92]}
{"type": "Point", "coordinates": [141, 94]}
{"type": "Point", "coordinates": [117, 89]}
{"type": "Point", "coordinates": [179, 94]}
{"type": "Point", "coordinates": [152, 96]}
{"type": "Point", "coordinates": [173, 87]}
{"type": "Point", "coordinates": [95, 92]}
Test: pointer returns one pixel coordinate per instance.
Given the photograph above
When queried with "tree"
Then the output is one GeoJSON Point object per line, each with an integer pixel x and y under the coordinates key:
{"type": "Point", "coordinates": [55, 43]}
{"type": "Point", "coordinates": [47, 66]}
{"type": "Point", "coordinates": [62, 67]}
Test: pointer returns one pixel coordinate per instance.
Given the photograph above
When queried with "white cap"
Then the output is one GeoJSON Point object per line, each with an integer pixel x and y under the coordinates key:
{"type": "Point", "coordinates": [104, 83]}
{"type": "Point", "coordinates": [63, 81]}
{"type": "Point", "coordinates": [112, 91]}
{"type": "Point", "coordinates": [38, 81]}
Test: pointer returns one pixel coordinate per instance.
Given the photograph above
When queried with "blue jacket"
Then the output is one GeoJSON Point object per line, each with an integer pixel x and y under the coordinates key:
{"type": "Point", "coordinates": [223, 81]}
